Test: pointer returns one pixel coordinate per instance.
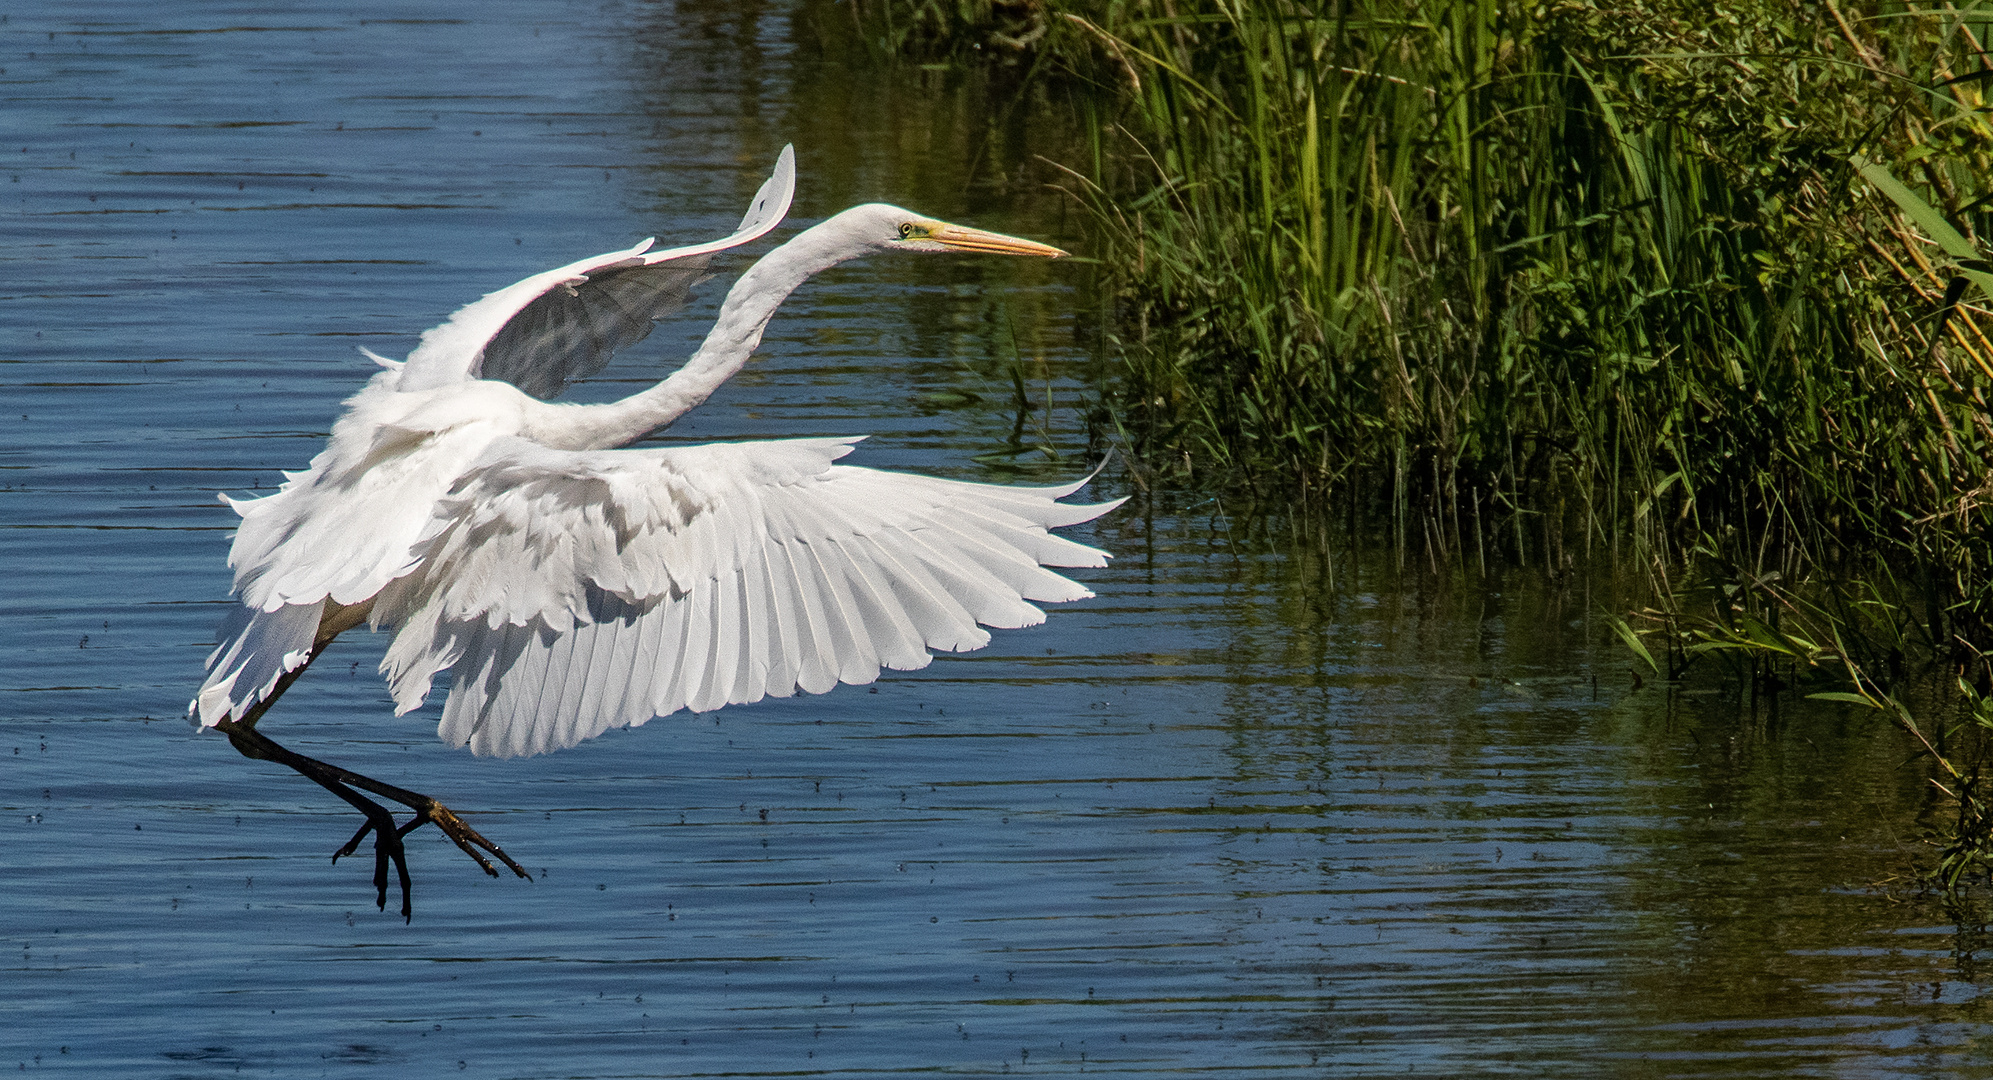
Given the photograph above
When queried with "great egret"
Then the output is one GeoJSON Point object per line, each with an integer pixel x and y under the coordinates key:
{"type": "Point", "coordinates": [572, 587]}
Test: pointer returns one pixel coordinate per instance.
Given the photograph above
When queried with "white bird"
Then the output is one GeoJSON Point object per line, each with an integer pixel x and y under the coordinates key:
{"type": "Point", "coordinates": [570, 587]}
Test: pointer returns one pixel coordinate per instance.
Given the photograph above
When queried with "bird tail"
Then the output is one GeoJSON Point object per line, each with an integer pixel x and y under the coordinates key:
{"type": "Point", "coordinates": [256, 649]}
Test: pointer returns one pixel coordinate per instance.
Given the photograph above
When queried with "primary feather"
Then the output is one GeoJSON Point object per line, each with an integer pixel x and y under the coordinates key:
{"type": "Point", "coordinates": [550, 580]}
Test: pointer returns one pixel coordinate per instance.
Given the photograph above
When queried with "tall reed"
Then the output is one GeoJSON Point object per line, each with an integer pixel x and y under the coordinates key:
{"type": "Point", "coordinates": [1699, 282]}
{"type": "Point", "coordinates": [1525, 279]}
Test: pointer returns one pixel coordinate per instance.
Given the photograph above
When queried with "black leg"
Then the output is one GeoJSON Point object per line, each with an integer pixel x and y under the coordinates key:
{"type": "Point", "coordinates": [251, 743]}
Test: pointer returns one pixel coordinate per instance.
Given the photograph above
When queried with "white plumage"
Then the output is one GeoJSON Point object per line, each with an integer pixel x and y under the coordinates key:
{"type": "Point", "coordinates": [569, 587]}
{"type": "Point", "coordinates": [701, 576]}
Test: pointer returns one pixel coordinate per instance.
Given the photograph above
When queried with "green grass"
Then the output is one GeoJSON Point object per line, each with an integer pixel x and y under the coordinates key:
{"type": "Point", "coordinates": [1527, 282]}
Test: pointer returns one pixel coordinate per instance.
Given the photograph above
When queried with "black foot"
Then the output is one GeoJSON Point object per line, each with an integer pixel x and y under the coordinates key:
{"type": "Point", "coordinates": [387, 849]}
{"type": "Point", "coordinates": [387, 835]}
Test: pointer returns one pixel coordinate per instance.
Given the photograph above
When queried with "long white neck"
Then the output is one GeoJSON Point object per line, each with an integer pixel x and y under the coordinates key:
{"type": "Point", "coordinates": [745, 314]}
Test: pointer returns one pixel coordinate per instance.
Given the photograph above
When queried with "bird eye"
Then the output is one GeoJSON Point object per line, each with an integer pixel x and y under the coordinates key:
{"type": "Point", "coordinates": [906, 230]}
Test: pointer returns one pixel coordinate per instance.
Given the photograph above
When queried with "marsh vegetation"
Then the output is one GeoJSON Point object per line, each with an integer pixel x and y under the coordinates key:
{"type": "Point", "coordinates": [1685, 286]}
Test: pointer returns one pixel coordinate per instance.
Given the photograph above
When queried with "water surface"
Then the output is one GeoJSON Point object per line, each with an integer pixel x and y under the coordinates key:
{"type": "Point", "coordinates": [1269, 803]}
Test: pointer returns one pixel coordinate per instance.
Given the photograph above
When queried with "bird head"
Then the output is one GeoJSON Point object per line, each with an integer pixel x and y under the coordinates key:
{"type": "Point", "coordinates": [892, 228]}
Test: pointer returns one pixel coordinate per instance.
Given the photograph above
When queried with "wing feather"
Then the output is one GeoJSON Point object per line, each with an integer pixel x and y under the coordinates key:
{"type": "Point", "coordinates": [989, 601]}
{"type": "Point", "coordinates": [723, 661]}
{"type": "Point", "coordinates": [816, 663]}
{"type": "Point", "coordinates": [630, 672]}
{"type": "Point", "coordinates": [1033, 542]}
{"type": "Point", "coordinates": [895, 641]}
{"type": "Point", "coordinates": [696, 647]}
{"type": "Point", "coordinates": [545, 332]}
{"type": "Point", "coordinates": [577, 591]}
{"type": "Point", "coordinates": [751, 677]}
{"type": "Point", "coordinates": [553, 709]}
{"type": "Point", "coordinates": [937, 620]}
{"type": "Point", "coordinates": [776, 610]}
{"type": "Point", "coordinates": [466, 696]}
{"type": "Point", "coordinates": [1017, 571]}
{"type": "Point", "coordinates": [257, 648]}
{"type": "Point", "coordinates": [596, 654]}
{"type": "Point", "coordinates": [852, 654]}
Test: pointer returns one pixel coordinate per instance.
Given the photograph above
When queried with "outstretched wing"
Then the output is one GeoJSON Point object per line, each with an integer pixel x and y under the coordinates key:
{"type": "Point", "coordinates": [574, 592]}
{"type": "Point", "coordinates": [553, 328]}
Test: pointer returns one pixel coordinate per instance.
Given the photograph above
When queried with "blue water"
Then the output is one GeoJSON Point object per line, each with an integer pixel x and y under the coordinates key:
{"type": "Point", "coordinates": [1270, 803]}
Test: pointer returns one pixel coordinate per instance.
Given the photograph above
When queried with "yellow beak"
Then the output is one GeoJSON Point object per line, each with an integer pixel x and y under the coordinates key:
{"type": "Point", "coordinates": [963, 238]}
